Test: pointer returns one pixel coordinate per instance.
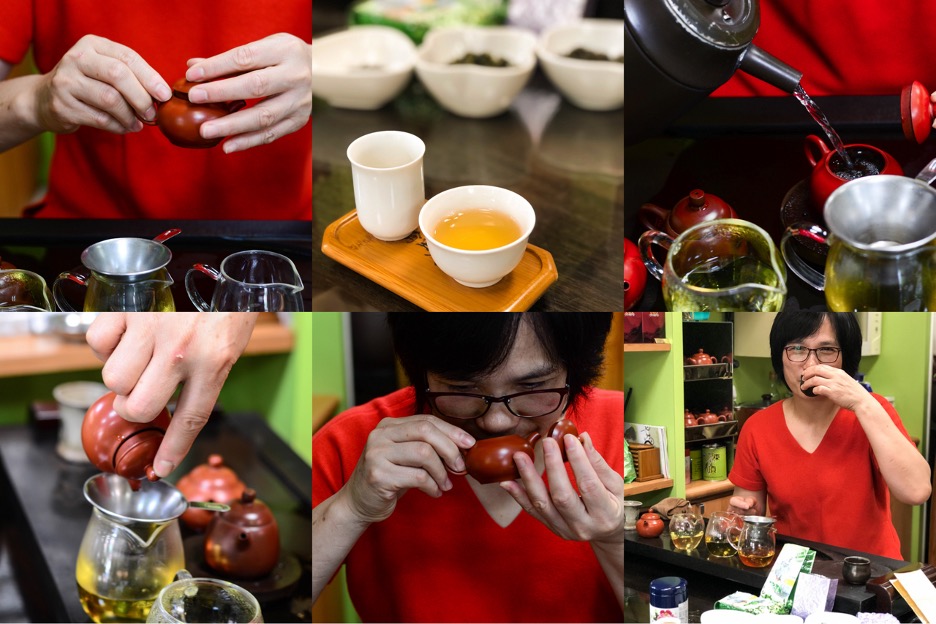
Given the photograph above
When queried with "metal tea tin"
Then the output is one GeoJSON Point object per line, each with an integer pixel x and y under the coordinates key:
{"type": "Point", "coordinates": [714, 464]}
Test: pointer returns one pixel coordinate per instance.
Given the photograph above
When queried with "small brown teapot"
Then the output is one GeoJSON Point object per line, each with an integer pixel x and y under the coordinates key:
{"type": "Point", "coordinates": [212, 482]}
{"type": "Point", "coordinates": [690, 419]}
{"type": "Point", "coordinates": [695, 208]}
{"type": "Point", "coordinates": [120, 446]}
{"type": "Point", "coordinates": [650, 525]}
{"type": "Point", "coordinates": [243, 542]}
{"type": "Point", "coordinates": [700, 358]}
{"type": "Point", "coordinates": [726, 414]}
{"type": "Point", "coordinates": [708, 418]}
{"type": "Point", "coordinates": [180, 120]}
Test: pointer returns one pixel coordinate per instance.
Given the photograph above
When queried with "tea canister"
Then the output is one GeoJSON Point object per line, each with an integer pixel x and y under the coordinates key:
{"type": "Point", "coordinates": [669, 600]}
{"type": "Point", "coordinates": [695, 456]}
{"type": "Point", "coordinates": [714, 466]}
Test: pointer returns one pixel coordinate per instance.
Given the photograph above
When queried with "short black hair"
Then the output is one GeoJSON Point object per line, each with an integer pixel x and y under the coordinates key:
{"type": "Point", "coordinates": [471, 344]}
{"type": "Point", "coordinates": [794, 326]}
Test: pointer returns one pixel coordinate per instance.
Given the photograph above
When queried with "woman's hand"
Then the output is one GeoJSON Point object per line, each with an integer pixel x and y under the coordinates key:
{"type": "Point", "coordinates": [743, 505]}
{"type": "Point", "coordinates": [277, 69]}
{"type": "Point", "coordinates": [836, 385]}
{"type": "Point", "coordinates": [100, 84]}
{"type": "Point", "coordinates": [404, 454]}
{"type": "Point", "coordinates": [597, 516]}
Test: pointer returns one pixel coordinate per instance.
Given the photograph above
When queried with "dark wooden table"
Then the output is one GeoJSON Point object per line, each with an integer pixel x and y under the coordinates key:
{"type": "Point", "coordinates": [567, 162]}
{"type": "Point", "coordinates": [749, 152]}
{"type": "Point", "coordinates": [45, 514]}
{"type": "Point", "coordinates": [50, 246]}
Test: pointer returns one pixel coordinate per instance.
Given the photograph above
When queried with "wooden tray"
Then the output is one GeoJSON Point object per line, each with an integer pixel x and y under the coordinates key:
{"type": "Point", "coordinates": [406, 268]}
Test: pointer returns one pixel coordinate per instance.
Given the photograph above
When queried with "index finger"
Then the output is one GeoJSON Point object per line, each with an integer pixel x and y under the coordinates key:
{"type": "Point", "coordinates": [146, 77]}
{"type": "Point", "coordinates": [105, 333]}
{"type": "Point", "coordinates": [192, 411]}
{"type": "Point", "coordinates": [254, 55]}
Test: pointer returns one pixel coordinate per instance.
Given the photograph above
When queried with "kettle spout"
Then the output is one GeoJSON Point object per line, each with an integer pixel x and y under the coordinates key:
{"type": "Point", "coordinates": [770, 69]}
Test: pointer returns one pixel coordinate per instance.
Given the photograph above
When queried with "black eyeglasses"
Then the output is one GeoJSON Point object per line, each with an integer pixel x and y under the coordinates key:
{"type": "Point", "coordinates": [799, 353]}
{"type": "Point", "coordinates": [529, 404]}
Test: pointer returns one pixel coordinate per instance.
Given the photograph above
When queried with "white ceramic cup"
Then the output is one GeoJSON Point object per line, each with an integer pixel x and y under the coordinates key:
{"type": "Point", "coordinates": [387, 173]}
{"type": "Point", "coordinates": [74, 398]}
{"type": "Point", "coordinates": [477, 269]}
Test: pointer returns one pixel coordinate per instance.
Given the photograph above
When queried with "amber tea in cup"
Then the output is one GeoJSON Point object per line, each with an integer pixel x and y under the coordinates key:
{"type": "Point", "coordinates": [476, 229]}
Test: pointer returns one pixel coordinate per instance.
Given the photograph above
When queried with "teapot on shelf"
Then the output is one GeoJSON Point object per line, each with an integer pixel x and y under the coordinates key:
{"type": "Point", "coordinates": [691, 419]}
{"type": "Point", "coordinates": [701, 358]}
{"type": "Point", "coordinates": [726, 414]}
{"type": "Point", "coordinates": [709, 418]}
{"type": "Point", "coordinates": [695, 208]}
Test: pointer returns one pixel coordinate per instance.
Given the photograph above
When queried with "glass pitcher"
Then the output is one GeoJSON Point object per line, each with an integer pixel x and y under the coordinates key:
{"type": "Point", "coordinates": [718, 533]}
{"type": "Point", "coordinates": [23, 291]}
{"type": "Point", "coordinates": [131, 548]}
{"type": "Point", "coordinates": [249, 281]}
{"type": "Point", "coordinates": [686, 529]}
{"type": "Point", "coordinates": [204, 600]}
{"type": "Point", "coordinates": [755, 541]}
{"type": "Point", "coordinates": [125, 275]}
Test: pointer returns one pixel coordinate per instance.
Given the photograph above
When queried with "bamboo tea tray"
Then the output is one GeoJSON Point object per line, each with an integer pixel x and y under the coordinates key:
{"type": "Point", "coordinates": [405, 267]}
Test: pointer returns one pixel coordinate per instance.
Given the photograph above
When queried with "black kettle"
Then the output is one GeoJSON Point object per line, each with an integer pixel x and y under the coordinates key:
{"type": "Point", "coordinates": [676, 52]}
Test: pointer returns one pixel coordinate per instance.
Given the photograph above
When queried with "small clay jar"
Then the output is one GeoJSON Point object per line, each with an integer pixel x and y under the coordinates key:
{"type": "Point", "coordinates": [120, 446]}
{"type": "Point", "coordinates": [650, 525]}
{"type": "Point", "coordinates": [180, 120]}
{"type": "Point", "coordinates": [243, 542]}
{"type": "Point", "coordinates": [211, 482]}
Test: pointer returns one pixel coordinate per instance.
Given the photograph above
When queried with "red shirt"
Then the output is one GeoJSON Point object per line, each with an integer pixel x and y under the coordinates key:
{"type": "Point", "coordinates": [834, 495]}
{"type": "Point", "coordinates": [846, 48]}
{"type": "Point", "coordinates": [98, 174]}
{"type": "Point", "coordinates": [446, 560]}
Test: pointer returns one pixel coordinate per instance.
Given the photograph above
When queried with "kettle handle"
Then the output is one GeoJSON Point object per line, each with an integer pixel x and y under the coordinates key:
{"type": "Point", "coordinates": [653, 217]}
{"type": "Point", "coordinates": [190, 284]}
{"type": "Point", "coordinates": [806, 230]}
{"type": "Point", "coordinates": [654, 237]}
{"type": "Point", "coordinates": [60, 300]}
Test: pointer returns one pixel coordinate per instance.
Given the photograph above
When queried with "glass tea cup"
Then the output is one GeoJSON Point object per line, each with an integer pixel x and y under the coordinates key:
{"type": "Point", "coordinates": [718, 533]}
{"type": "Point", "coordinates": [205, 600]}
{"type": "Point", "coordinates": [721, 265]}
{"type": "Point", "coordinates": [686, 529]}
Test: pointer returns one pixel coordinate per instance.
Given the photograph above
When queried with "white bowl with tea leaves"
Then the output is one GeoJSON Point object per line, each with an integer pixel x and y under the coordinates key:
{"type": "Point", "coordinates": [585, 61]}
{"type": "Point", "coordinates": [476, 71]}
{"type": "Point", "coordinates": [363, 67]}
{"type": "Point", "coordinates": [477, 234]}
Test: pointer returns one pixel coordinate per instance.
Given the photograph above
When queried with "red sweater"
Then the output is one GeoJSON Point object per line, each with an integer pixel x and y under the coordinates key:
{"type": "Point", "coordinates": [98, 174]}
{"type": "Point", "coordinates": [844, 48]}
{"type": "Point", "coordinates": [834, 495]}
{"type": "Point", "coordinates": [446, 560]}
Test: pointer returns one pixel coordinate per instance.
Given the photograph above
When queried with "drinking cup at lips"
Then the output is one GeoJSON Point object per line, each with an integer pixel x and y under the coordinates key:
{"type": "Point", "coordinates": [830, 172]}
{"type": "Point", "coordinates": [484, 267]}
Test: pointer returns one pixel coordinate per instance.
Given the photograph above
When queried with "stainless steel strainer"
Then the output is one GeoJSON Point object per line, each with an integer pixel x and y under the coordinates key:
{"type": "Point", "coordinates": [154, 501]}
{"type": "Point", "coordinates": [128, 258]}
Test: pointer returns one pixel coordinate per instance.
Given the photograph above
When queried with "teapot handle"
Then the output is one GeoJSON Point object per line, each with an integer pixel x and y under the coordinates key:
{"type": "Point", "coordinates": [807, 230]}
{"type": "Point", "coordinates": [810, 145]}
{"type": "Point", "coordinates": [190, 284]}
{"type": "Point", "coordinates": [654, 237]}
{"type": "Point", "coordinates": [60, 300]}
{"type": "Point", "coordinates": [928, 173]}
{"type": "Point", "coordinates": [653, 217]}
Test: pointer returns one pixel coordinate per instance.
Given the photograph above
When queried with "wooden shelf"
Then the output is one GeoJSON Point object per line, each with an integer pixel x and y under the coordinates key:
{"type": "Point", "coordinates": [704, 489]}
{"type": "Point", "coordinates": [643, 348]}
{"type": "Point", "coordinates": [635, 488]}
{"type": "Point", "coordinates": [36, 355]}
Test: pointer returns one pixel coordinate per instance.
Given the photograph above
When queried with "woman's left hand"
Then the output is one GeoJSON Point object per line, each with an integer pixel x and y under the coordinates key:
{"type": "Point", "coordinates": [277, 69]}
{"type": "Point", "coordinates": [597, 516]}
{"type": "Point", "coordinates": [834, 384]}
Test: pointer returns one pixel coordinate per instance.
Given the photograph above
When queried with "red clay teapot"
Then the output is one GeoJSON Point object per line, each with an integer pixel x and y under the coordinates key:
{"type": "Point", "coordinates": [708, 418]}
{"type": "Point", "coordinates": [649, 525]}
{"type": "Point", "coordinates": [120, 446]}
{"type": "Point", "coordinates": [691, 419]}
{"type": "Point", "coordinates": [829, 172]}
{"type": "Point", "coordinates": [180, 120]}
{"type": "Point", "coordinates": [211, 482]}
{"type": "Point", "coordinates": [243, 542]}
{"type": "Point", "coordinates": [695, 208]}
{"type": "Point", "coordinates": [700, 358]}
{"type": "Point", "coordinates": [635, 275]}
{"type": "Point", "coordinates": [726, 414]}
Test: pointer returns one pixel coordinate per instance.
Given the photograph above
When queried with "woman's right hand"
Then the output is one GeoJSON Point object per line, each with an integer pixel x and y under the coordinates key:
{"type": "Point", "coordinates": [743, 505]}
{"type": "Point", "coordinates": [403, 454]}
{"type": "Point", "coordinates": [101, 84]}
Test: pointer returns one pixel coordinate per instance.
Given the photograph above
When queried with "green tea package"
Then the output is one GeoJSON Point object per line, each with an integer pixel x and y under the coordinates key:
{"type": "Point", "coordinates": [749, 603]}
{"type": "Point", "coordinates": [417, 17]}
{"type": "Point", "coordinates": [792, 560]}
{"type": "Point", "coordinates": [629, 473]}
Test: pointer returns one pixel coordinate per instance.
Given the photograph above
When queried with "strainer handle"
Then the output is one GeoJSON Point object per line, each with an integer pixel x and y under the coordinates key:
{"type": "Point", "coordinates": [190, 284]}
{"type": "Point", "coordinates": [928, 174]}
{"type": "Point", "coordinates": [162, 238]}
{"type": "Point", "coordinates": [209, 506]}
{"type": "Point", "coordinates": [59, 296]}
{"type": "Point", "coordinates": [804, 230]}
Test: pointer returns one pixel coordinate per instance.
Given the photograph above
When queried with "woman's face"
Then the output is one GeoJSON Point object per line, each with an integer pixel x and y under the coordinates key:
{"type": "Point", "coordinates": [823, 337]}
{"type": "Point", "coordinates": [526, 368]}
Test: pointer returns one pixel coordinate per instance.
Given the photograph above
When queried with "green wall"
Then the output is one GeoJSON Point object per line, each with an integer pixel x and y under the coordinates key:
{"type": "Point", "coordinates": [328, 357]}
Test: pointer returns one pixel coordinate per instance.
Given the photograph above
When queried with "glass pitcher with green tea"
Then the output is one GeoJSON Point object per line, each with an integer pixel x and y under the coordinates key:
{"type": "Point", "coordinates": [727, 265]}
{"type": "Point", "coordinates": [204, 600]}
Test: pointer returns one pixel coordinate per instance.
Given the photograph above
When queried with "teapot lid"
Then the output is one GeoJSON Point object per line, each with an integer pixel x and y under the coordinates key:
{"type": "Point", "coordinates": [727, 23]}
{"type": "Point", "coordinates": [213, 480]}
{"type": "Point", "coordinates": [916, 112]}
{"type": "Point", "coordinates": [249, 511]}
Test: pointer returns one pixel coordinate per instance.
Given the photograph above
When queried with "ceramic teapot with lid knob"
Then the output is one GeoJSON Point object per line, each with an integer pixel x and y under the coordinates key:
{"type": "Point", "coordinates": [212, 482]}
{"type": "Point", "coordinates": [243, 542]}
{"type": "Point", "coordinates": [700, 358]}
{"type": "Point", "coordinates": [676, 52]}
{"type": "Point", "coordinates": [116, 445]}
{"type": "Point", "coordinates": [695, 208]}
{"type": "Point", "coordinates": [708, 417]}
{"type": "Point", "coordinates": [691, 419]}
{"type": "Point", "coordinates": [650, 525]}
{"type": "Point", "coordinates": [180, 119]}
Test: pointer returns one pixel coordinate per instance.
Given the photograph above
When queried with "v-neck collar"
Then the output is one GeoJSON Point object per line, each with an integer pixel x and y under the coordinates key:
{"type": "Point", "coordinates": [825, 435]}
{"type": "Point", "coordinates": [513, 507]}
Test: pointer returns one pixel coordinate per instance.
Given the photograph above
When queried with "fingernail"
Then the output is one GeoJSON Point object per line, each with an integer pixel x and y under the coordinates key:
{"type": "Point", "coordinates": [588, 440]}
{"type": "Point", "coordinates": [459, 464]}
{"type": "Point", "coordinates": [196, 74]}
{"type": "Point", "coordinates": [468, 440]}
{"type": "Point", "coordinates": [208, 131]}
{"type": "Point", "coordinates": [229, 146]}
{"type": "Point", "coordinates": [447, 485]}
{"type": "Point", "coordinates": [570, 441]}
{"type": "Point", "coordinates": [163, 468]}
{"type": "Point", "coordinates": [197, 95]}
{"type": "Point", "coordinates": [163, 92]}
{"type": "Point", "coordinates": [150, 114]}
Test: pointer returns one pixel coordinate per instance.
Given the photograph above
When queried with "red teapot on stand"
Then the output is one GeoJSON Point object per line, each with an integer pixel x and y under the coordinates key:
{"type": "Point", "coordinates": [829, 172]}
{"type": "Point", "coordinates": [701, 358]}
{"type": "Point", "coordinates": [695, 208]}
{"type": "Point", "coordinates": [243, 542]}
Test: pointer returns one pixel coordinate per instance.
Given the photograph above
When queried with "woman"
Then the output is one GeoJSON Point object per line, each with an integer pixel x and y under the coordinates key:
{"type": "Point", "coordinates": [422, 544]}
{"type": "Point", "coordinates": [827, 458]}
